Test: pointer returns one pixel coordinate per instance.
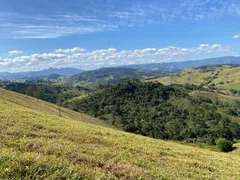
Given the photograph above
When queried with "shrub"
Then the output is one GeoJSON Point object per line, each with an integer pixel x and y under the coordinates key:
{"type": "Point", "coordinates": [224, 145]}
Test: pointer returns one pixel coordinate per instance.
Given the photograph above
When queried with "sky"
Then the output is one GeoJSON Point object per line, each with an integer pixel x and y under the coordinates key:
{"type": "Point", "coordinates": [89, 34]}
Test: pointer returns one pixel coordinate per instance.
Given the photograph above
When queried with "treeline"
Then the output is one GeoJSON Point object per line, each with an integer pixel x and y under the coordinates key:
{"type": "Point", "coordinates": [56, 94]}
{"type": "Point", "coordinates": [158, 111]}
{"type": "Point", "coordinates": [214, 67]}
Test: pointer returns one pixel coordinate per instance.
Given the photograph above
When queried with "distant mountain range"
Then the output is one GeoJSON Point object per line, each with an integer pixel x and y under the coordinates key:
{"type": "Point", "coordinates": [164, 68]}
{"type": "Point", "coordinates": [43, 73]}
{"type": "Point", "coordinates": [188, 64]}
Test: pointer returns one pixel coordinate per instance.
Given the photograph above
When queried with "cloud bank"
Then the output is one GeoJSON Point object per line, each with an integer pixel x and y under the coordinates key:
{"type": "Point", "coordinates": [80, 58]}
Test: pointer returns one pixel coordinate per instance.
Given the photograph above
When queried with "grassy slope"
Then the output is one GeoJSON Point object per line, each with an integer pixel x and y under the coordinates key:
{"type": "Point", "coordinates": [47, 108]}
{"type": "Point", "coordinates": [237, 151]}
{"type": "Point", "coordinates": [37, 143]}
{"type": "Point", "coordinates": [191, 76]}
{"type": "Point", "coordinates": [215, 96]}
{"type": "Point", "coordinates": [229, 76]}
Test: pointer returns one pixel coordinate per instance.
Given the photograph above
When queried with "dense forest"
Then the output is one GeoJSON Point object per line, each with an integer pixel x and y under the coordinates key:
{"type": "Point", "coordinates": [158, 111]}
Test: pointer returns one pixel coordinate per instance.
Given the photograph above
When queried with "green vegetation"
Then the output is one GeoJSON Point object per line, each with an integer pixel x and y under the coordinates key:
{"type": "Point", "coordinates": [165, 112]}
{"type": "Point", "coordinates": [56, 94]}
{"type": "Point", "coordinates": [224, 145]}
{"type": "Point", "coordinates": [49, 78]}
{"type": "Point", "coordinates": [222, 77]}
{"type": "Point", "coordinates": [108, 76]}
{"type": "Point", "coordinates": [38, 142]}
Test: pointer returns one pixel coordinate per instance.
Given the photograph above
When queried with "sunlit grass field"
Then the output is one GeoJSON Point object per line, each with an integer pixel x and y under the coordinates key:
{"type": "Point", "coordinates": [227, 77]}
{"type": "Point", "coordinates": [191, 76]}
{"type": "Point", "coordinates": [42, 141]}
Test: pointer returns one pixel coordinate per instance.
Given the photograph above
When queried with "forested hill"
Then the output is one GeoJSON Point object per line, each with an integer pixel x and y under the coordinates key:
{"type": "Point", "coordinates": [107, 76]}
{"type": "Point", "coordinates": [165, 112]}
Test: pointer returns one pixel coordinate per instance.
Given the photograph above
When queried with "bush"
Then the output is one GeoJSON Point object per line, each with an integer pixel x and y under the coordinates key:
{"type": "Point", "coordinates": [224, 145]}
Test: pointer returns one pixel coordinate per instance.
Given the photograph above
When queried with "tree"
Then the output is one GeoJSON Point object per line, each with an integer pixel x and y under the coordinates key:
{"type": "Point", "coordinates": [224, 145]}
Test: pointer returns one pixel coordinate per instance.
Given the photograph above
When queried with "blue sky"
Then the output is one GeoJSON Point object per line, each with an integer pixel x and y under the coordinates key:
{"type": "Point", "coordinates": [89, 34]}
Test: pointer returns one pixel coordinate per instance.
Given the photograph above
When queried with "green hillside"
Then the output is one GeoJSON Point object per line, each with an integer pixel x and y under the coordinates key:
{"type": "Point", "coordinates": [45, 90]}
{"type": "Point", "coordinates": [42, 141]}
{"type": "Point", "coordinates": [107, 76]}
{"type": "Point", "coordinates": [48, 78]}
{"type": "Point", "coordinates": [222, 77]}
{"type": "Point", "coordinates": [164, 112]}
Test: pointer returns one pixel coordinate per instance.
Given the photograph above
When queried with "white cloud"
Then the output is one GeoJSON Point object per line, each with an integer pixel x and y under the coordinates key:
{"type": "Point", "coordinates": [236, 37]}
{"type": "Point", "coordinates": [14, 52]}
{"type": "Point", "coordinates": [73, 50]}
{"type": "Point", "coordinates": [107, 57]}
